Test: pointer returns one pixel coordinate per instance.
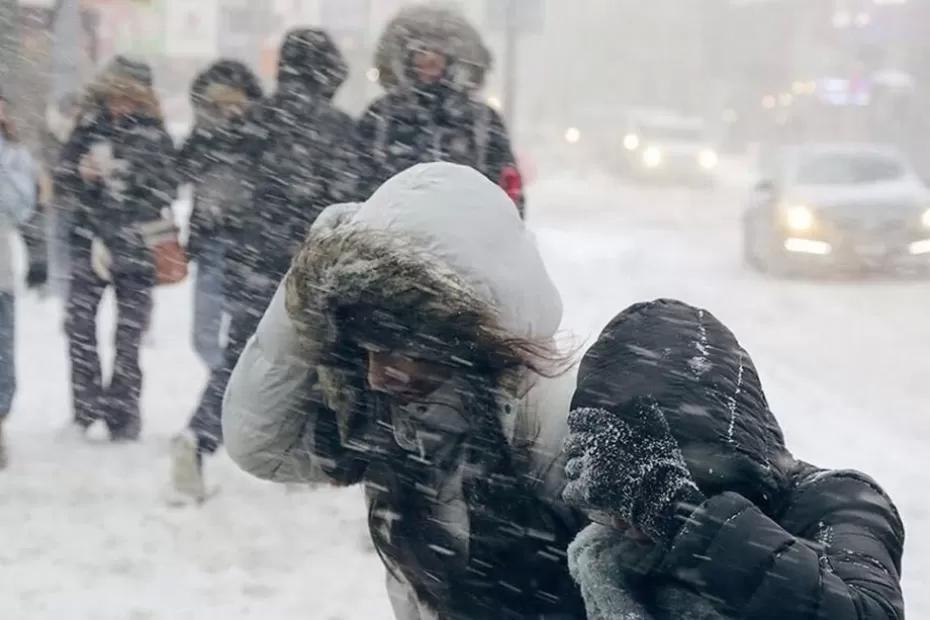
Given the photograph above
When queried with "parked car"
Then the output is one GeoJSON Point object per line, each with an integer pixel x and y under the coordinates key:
{"type": "Point", "coordinates": [838, 207]}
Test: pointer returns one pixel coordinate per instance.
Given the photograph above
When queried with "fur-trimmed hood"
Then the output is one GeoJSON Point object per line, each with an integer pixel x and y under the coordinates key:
{"type": "Point", "coordinates": [439, 241]}
{"type": "Point", "coordinates": [437, 256]}
{"type": "Point", "coordinates": [432, 27]}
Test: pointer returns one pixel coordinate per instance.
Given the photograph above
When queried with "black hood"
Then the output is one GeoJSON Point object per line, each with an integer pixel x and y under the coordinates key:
{"type": "Point", "coordinates": [231, 73]}
{"type": "Point", "coordinates": [706, 385]}
{"type": "Point", "coordinates": [310, 60]}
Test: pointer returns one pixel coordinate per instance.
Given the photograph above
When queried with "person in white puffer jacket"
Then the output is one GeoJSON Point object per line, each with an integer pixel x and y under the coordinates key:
{"type": "Point", "coordinates": [17, 201]}
{"type": "Point", "coordinates": [411, 349]}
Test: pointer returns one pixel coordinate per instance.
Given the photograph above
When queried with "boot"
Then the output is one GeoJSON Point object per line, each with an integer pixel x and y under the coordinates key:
{"type": "Point", "coordinates": [187, 469]}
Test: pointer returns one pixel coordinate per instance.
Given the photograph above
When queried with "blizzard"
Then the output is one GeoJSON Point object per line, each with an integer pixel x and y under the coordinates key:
{"type": "Point", "coordinates": [86, 533]}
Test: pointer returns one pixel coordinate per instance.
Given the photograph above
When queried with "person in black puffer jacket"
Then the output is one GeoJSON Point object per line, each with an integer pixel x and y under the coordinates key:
{"type": "Point", "coordinates": [212, 160]}
{"type": "Point", "coordinates": [116, 172]}
{"type": "Point", "coordinates": [705, 512]}
{"type": "Point", "coordinates": [431, 61]}
{"type": "Point", "coordinates": [215, 162]}
{"type": "Point", "coordinates": [296, 145]}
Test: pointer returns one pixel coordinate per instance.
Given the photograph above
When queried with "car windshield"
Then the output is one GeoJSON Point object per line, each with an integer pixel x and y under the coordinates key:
{"type": "Point", "coordinates": [672, 133]}
{"type": "Point", "coordinates": [849, 168]}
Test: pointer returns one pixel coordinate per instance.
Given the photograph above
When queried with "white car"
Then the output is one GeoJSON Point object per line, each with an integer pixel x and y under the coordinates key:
{"type": "Point", "coordinates": [668, 148]}
{"type": "Point", "coordinates": [839, 206]}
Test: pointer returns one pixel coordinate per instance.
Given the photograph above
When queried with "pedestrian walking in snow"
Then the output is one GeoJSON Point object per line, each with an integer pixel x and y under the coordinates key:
{"type": "Point", "coordinates": [212, 160]}
{"type": "Point", "coordinates": [17, 201]}
{"type": "Point", "coordinates": [411, 349]}
{"type": "Point", "coordinates": [296, 146]}
{"type": "Point", "coordinates": [707, 513]}
{"type": "Point", "coordinates": [431, 62]}
{"type": "Point", "coordinates": [116, 172]}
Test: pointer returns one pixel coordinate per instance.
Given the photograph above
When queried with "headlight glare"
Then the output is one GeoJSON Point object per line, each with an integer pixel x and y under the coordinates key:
{"type": "Point", "coordinates": [708, 159]}
{"type": "Point", "coordinates": [799, 218]}
{"type": "Point", "coordinates": [652, 157]}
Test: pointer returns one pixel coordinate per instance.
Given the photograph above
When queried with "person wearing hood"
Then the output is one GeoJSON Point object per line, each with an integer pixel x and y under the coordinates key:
{"type": "Point", "coordinates": [411, 349]}
{"type": "Point", "coordinates": [702, 511]}
{"type": "Point", "coordinates": [431, 62]}
{"type": "Point", "coordinates": [213, 160]}
{"type": "Point", "coordinates": [17, 202]}
{"type": "Point", "coordinates": [116, 173]}
{"type": "Point", "coordinates": [296, 147]}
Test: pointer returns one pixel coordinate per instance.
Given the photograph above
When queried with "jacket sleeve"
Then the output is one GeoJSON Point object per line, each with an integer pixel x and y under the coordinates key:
{"type": "Point", "coordinates": [17, 183]}
{"type": "Point", "coordinates": [501, 163]}
{"type": "Point", "coordinates": [845, 566]}
{"type": "Point", "coordinates": [153, 171]}
{"type": "Point", "coordinates": [365, 159]}
{"type": "Point", "coordinates": [274, 424]}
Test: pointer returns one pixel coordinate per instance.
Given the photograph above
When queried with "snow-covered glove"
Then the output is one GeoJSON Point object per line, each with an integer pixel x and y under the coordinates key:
{"type": "Point", "coordinates": [627, 464]}
{"type": "Point", "coordinates": [101, 261]}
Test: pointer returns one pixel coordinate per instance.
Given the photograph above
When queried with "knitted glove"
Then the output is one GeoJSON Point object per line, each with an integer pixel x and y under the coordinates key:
{"type": "Point", "coordinates": [628, 465]}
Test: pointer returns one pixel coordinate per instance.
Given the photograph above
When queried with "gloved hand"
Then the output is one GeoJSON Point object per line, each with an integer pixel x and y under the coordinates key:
{"type": "Point", "coordinates": [101, 261]}
{"type": "Point", "coordinates": [627, 464]}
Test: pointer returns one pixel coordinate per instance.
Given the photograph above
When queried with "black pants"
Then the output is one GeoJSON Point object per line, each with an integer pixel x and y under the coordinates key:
{"type": "Point", "coordinates": [246, 308]}
{"type": "Point", "coordinates": [115, 402]}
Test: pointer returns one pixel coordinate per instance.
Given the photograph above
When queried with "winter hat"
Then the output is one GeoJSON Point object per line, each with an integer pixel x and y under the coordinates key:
{"type": "Point", "coordinates": [309, 58]}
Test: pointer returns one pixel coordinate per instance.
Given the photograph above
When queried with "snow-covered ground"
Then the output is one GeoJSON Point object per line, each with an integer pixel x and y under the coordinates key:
{"type": "Point", "coordinates": [85, 534]}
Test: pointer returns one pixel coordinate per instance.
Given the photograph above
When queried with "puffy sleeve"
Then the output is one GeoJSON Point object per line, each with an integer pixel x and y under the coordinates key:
{"type": "Point", "coordinates": [275, 423]}
{"type": "Point", "coordinates": [845, 564]}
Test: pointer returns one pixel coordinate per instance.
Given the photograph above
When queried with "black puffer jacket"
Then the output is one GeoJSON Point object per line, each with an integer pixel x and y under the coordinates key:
{"type": "Point", "coordinates": [778, 538]}
{"type": "Point", "coordinates": [298, 143]}
{"type": "Point", "coordinates": [214, 157]}
{"type": "Point", "coordinates": [415, 123]}
{"type": "Point", "coordinates": [142, 183]}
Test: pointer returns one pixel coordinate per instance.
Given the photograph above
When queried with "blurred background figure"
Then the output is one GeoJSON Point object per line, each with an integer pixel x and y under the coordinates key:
{"type": "Point", "coordinates": [117, 173]}
{"type": "Point", "coordinates": [297, 155]}
{"type": "Point", "coordinates": [17, 200]}
{"type": "Point", "coordinates": [431, 61]}
{"type": "Point", "coordinates": [209, 160]}
{"type": "Point", "coordinates": [212, 159]}
{"type": "Point", "coordinates": [60, 119]}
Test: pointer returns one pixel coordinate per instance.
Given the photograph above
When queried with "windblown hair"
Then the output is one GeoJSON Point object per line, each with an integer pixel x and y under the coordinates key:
{"type": "Point", "coordinates": [351, 285]}
{"type": "Point", "coordinates": [111, 83]}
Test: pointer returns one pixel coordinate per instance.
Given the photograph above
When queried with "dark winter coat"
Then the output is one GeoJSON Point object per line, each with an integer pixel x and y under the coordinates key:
{"type": "Point", "coordinates": [777, 538]}
{"type": "Point", "coordinates": [214, 157]}
{"type": "Point", "coordinates": [415, 123]}
{"type": "Point", "coordinates": [464, 495]}
{"type": "Point", "coordinates": [298, 144]}
{"type": "Point", "coordinates": [142, 183]}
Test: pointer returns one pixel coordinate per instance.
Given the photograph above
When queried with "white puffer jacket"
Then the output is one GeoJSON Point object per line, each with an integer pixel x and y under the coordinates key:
{"type": "Point", "coordinates": [465, 229]}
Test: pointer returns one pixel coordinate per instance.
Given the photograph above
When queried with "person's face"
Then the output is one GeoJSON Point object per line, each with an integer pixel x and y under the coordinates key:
{"type": "Point", "coordinates": [403, 377]}
{"type": "Point", "coordinates": [228, 103]}
{"type": "Point", "coordinates": [120, 106]}
{"type": "Point", "coordinates": [429, 66]}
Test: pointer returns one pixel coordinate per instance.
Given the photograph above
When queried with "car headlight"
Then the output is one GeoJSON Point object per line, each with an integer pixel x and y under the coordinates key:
{"type": "Point", "coordinates": [631, 142]}
{"type": "Point", "coordinates": [925, 219]}
{"type": "Point", "coordinates": [799, 218]}
{"type": "Point", "coordinates": [652, 157]}
{"type": "Point", "coordinates": [708, 159]}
